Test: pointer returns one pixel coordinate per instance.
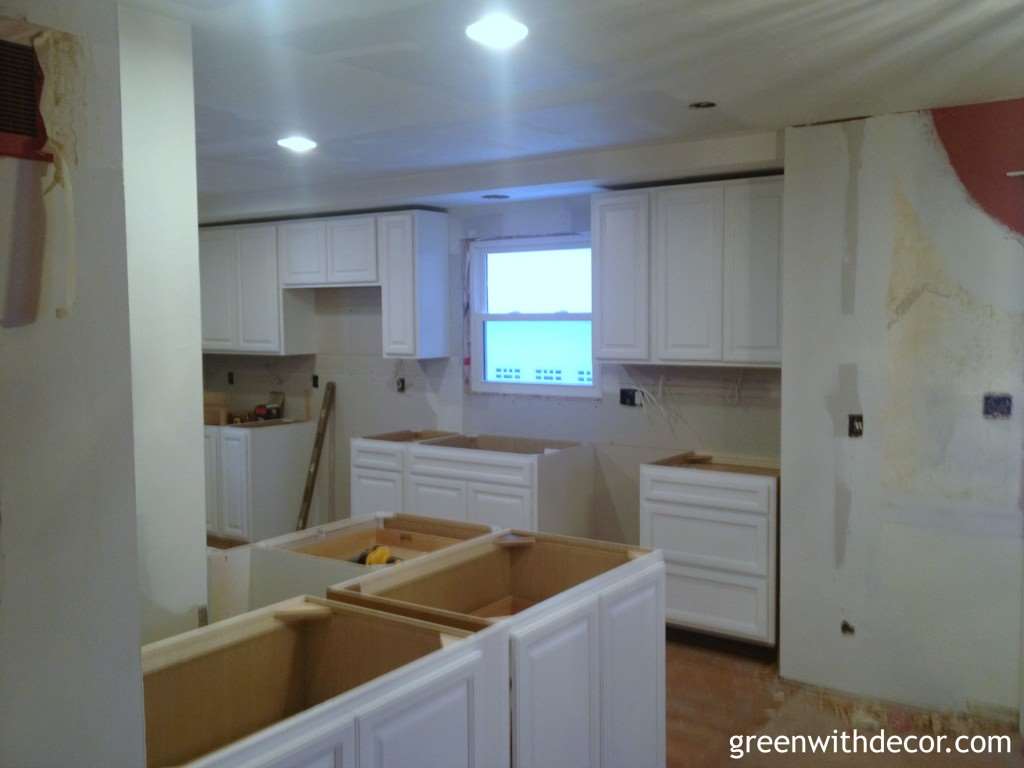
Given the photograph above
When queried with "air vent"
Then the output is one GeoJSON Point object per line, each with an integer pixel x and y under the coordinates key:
{"type": "Point", "coordinates": [21, 128]}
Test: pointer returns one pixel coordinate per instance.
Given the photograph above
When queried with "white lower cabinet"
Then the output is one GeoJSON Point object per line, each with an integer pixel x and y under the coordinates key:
{"type": "Point", "coordinates": [586, 638]}
{"type": "Point", "coordinates": [718, 532]}
{"type": "Point", "coordinates": [310, 684]}
{"type": "Point", "coordinates": [375, 490]}
{"type": "Point", "coordinates": [438, 497]}
{"type": "Point", "coordinates": [255, 476]}
{"type": "Point", "coordinates": [499, 505]}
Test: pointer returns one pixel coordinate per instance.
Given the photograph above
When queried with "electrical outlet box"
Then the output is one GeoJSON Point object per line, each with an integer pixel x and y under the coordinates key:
{"type": "Point", "coordinates": [627, 396]}
{"type": "Point", "coordinates": [997, 405]}
{"type": "Point", "coordinates": [400, 384]}
{"type": "Point", "coordinates": [856, 425]}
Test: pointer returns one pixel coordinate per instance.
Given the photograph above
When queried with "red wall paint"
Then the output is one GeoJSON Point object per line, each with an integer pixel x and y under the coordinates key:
{"type": "Point", "coordinates": [983, 142]}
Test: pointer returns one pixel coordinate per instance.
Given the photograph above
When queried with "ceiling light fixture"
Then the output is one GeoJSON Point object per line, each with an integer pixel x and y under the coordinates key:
{"type": "Point", "coordinates": [495, 197]}
{"type": "Point", "coordinates": [497, 31]}
{"type": "Point", "coordinates": [703, 104]}
{"type": "Point", "coordinates": [298, 144]}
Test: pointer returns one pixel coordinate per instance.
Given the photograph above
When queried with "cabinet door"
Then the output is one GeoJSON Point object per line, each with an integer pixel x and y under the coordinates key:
{"type": "Point", "coordinates": [501, 506]}
{"type": "Point", "coordinates": [620, 224]}
{"type": "Point", "coordinates": [218, 288]}
{"type": "Point", "coordinates": [396, 248]}
{"type": "Point", "coordinates": [374, 491]}
{"type": "Point", "coordinates": [436, 497]}
{"type": "Point", "coordinates": [338, 750]}
{"type": "Point", "coordinates": [234, 483]}
{"type": "Point", "coordinates": [431, 723]}
{"type": "Point", "coordinates": [352, 250]}
{"type": "Point", "coordinates": [753, 272]}
{"type": "Point", "coordinates": [259, 295]}
{"type": "Point", "coordinates": [303, 253]}
{"type": "Point", "coordinates": [211, 453]}
{"type": "Point", "coordinates": [632, 645]}
{"type": "Point", "coordinates": [686, 304]}
{"type": "Point", "coordinates": [556, 692]}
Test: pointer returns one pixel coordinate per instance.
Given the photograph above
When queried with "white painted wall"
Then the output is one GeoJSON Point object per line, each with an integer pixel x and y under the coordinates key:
{"type": "Point", "coordinates": [158, 128]}
{"type": "Point", "coordinates": [913, 533]}
{"type": "Point", "coordinates": [70, 679]}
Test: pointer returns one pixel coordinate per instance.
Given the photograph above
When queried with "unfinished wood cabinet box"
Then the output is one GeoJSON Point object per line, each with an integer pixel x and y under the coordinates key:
{"type": "Point", "coordinates": [717, 525]}
{"type": "Point", "coordinates": [586, 629]}
{"type": "Point", "coordinates": [311, 684]}
{"type": "Point", "coordinates": [306, 562]}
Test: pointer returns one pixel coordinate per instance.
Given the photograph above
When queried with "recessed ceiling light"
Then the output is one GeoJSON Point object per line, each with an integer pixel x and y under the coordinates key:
{"type": "Point", "coordinates": [497, 31]}
{"type": "Point", "coordinates": [297, 143]}
{"type": "Point", "coordinates": [495, 197]}
{"type": "Point", "coordinates": [703, 104]}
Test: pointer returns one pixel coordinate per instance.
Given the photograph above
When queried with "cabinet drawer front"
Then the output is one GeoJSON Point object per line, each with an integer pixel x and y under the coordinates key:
{"type": "Point", "coordinates": [710, 538]}
{"type": "Point", "coordinates": [718, 490]}
{"type": "Point", "coordinates": [726, 603]}
{"type": "Point", "coordinates": [471, 465]}
{"type": "Point", "coordinates": [501, 506]}
{"type": "Point", "coordinates": [373, 454]}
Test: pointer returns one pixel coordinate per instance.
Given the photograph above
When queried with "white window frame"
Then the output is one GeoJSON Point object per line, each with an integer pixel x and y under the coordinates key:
{"type": "Point", "coordinates": [479, 316]}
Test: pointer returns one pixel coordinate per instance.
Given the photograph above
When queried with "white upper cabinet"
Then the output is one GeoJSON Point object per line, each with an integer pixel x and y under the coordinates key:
{"type": "Point", "coordinates": [753, 272]}
{"type": "Point", "coordinates": [352, 250]}
{"type": "Point", "coordinates": [303, 253]}
{"type": "Point", "coordinates": [259, 297]}
{"type": "Point", "coordinates": [218, 287]}
{"type": "Point", "coordinates": [686, 303]}
{"type": "Point", "coordinates": [689, 274]}
{"type": "Point", "coordinates": [412, 247]}
{"type": "Point", "coordinates": [620, 224]}
{"type": "Point", "coordinates": [244, 309]}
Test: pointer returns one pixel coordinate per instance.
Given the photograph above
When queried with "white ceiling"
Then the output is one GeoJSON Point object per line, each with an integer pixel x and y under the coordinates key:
{"type": "Point", "coordinates": [393, 86]}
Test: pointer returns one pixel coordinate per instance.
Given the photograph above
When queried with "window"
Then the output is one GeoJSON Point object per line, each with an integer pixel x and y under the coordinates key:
{"type": "Point", "coordinates": [531, 317]}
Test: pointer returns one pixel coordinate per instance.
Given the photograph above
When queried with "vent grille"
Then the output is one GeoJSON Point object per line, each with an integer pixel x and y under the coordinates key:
{"type": "Point", "coordinates": [19, 89]}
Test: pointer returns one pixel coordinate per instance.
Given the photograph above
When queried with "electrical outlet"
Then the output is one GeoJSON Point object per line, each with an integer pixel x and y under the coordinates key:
{"type": "Point", "coordinates": [231, 377]}
{"type": "Point", "coordinates": [627, 396]}
{"type": "Point", "coordinates": [856, 426]}
{"type": "Point", "coordinates": [997, 405]}
{"type": "Point", "coordinates": [400, 384]}
{"type": "Point", "coordinates": [316, 381]}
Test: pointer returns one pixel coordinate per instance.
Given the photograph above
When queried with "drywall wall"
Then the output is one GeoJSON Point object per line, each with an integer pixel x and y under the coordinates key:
{"type": "Point", "coordinates": [158, 133]}
{"type": "Point", "coordinates": [70, 676]}
{"type": "Point", "coordinates": [726, 410]}
{"type": "Point", "coordinates": [904, 301]}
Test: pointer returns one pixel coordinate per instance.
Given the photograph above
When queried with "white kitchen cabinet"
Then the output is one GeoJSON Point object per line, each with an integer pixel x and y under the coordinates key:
{"type": "Point", "coordinates": [375, 690]}
{"type": "Point", "coordinates": [620, 233]}
{"type": "Point", "coordinates": [352, 250]}
{"type": "Point", "coordinates": [211, 462]}
{"type": "Point", "coordinates": [717, 527]}
{"type": "Point", "coordinates": [753, 272]}
{"type": "Point", "coordinates": [375, 491]}
{"type": "Point", "coordinates": [541, 485]}
{"type": "Point", "coordinates": [377, 476]}
{"type": "Point", "coordinates": [586, 635]}
{"type": "Point", "coordinates": [255, 478]}
{"type": "Point", "coordinates": [413, 253]}
{"type": "Point", "coordinates": [303, 247]}
{"type": "Point", "coordinates": [218, 284]}
{"type": "Point", "coordinates": [689, 274]}
{"type": "Point", "coordinates": [686, 260]}
{"type": "Point", "coordinates": [244, 311]}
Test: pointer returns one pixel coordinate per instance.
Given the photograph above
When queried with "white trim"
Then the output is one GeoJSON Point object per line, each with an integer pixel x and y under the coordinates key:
{"type": "Point", "coordinates": [479, 315]}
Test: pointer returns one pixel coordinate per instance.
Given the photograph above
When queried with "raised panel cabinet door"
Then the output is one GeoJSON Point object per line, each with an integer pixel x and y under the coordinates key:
{"type": "Point", "coordinates": [556, 689]}
{"type": "Point", "coordinates": [352, 250]}
{"type": "Point", "coordinates": [211, 455]}
{"type": "Point", "coordinates": [259, 295]}
{"type": "Point", "coordinates": [686, 304]}
{"type": "Point", "coordinates": [501, 506]}
{"type": "Point", "coordinates": [396, 249]}
{"type": "Point", "coordinates": [436, 497]}
{"type": "Point", "coordinates": [375, 491]}
{"type": "Point", "coordinates": [303, 253]}
{"type": "Point", "coordinates": [235, 485]}
{"type": "Point", "coordinates": [620, 224]}
{"type": "Point", "coordinates": [632, 646]}
{"type": "Point", "coordinates": [753, 272]}
{"type": "Point", "coordinates": [431, 723]}
{"type": "Point", "coordinates": [218, 288]}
